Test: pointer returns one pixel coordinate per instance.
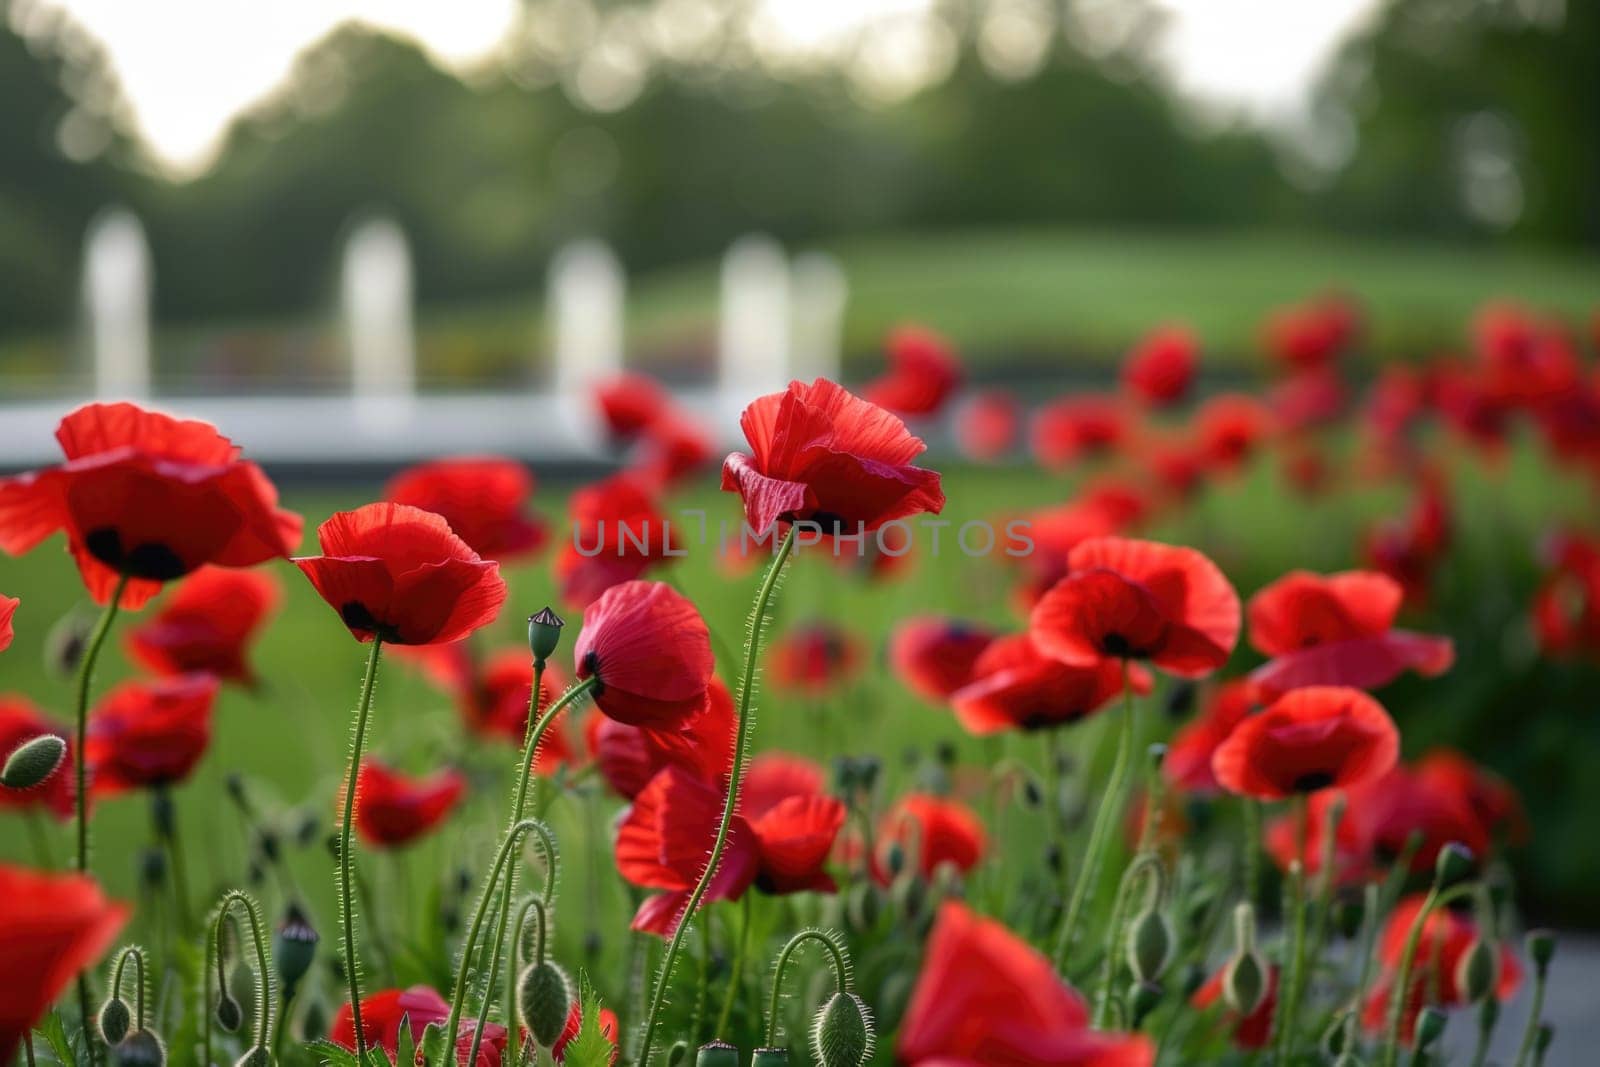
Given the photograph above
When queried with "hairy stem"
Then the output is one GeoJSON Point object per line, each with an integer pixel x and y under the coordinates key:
{"type": "Point", "coordinates": [347, 914]}
{"type": "Point", "coordinates": [838, 956]}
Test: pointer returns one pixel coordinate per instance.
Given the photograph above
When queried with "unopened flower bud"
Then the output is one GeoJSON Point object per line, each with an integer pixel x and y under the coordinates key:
{"type": "Point", "coordinates": [141, 1048]}
{"type": "Point", "coordinates": [1475, 973]}
{"type": "Point", "coordinates": [64, 645]}
{"type": "Point", "coordinates": [1149, 945]}
{"type": "Point", "coordinates": [1455, 862]}
{"type": "Point", "coordinates": [294, 946]}
{"type": "Point", "coordinates": [844, 774]}
{"type": "Point", "coordinates": [864, 906]}
{"type": "Point", "coordinates": [544, 997]}
{"type": "Point", "coordinates": [544, 634]}
{"type": "Point", "coordinates": [1430, 1024]}
{"type": "Point", "coordinates": [945, 753]}
{"type": "Point", "coordinates": [1032, 793]}
{"type": "Point", "coordinates": [1143, 997]}
{"type": "Point", "coordinates": [894, 858]}
{"type": "Point", "coordinates": [1156, 754]}
{"type": "Point", "coordinates": [1541, 948]}
{"type": "Point", "coordinates": [1180, 699]}
{"type": "Point", "coordinates": [678, 1053]}
{"type": "Point", "coordinates": [770, 1057]}
{"type": "Point", "coordinates": [1334, 1037]}
{"type": "Point", "coordinates": [908, 894]}
{"type": "Point", "coordinates": [717, 1054]}
{"type": "Point", "coordinates": [1488, 1014]}
{"type": "Point", "coordinates": [267, 841]}
{"type": "Point", "coordinates": [115, 1020]}
{"type": "Point", "coordinates": [31, 762]}
{"type": "Point", "coordinates": [842, 1034]}
{"type": "Point", "coordinates": [1244, 977]}
{"type": "Point", "coordinates": [314, 1020]}
{"type": "Point", "coordinates": [230, 1016]}
{"type": "Point", "coordinates": [867, 770]}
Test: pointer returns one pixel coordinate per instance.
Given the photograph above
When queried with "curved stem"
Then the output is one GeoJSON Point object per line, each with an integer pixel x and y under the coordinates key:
{"type": "Point", "coordinates": [758, 619]}
{"type": "Point", "coordinates": [1110, 805]}
{"type": "Point", "coordinates": [116, 980]}
{"type": "Point", "coordinates": [265, 993]}
{"type": "Point", "coordinates": [1117, 931]}
{"type": "Point", "coordinates": [1402, 987]}
{"type": "Point", "coordinates": [737, 977]}
{"type": "Point", "coordinates": [347, 914]}
{"type": "Point", "coordinates": [837, 955]}
{"type": "Point", "coordinates": [1530, 1034]}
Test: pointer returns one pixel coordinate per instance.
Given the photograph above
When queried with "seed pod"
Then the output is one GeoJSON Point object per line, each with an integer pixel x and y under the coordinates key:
{"type": "Point", "coordinates": [230, 1016]}
{"type": "Point", "coordinates": [842, 1034]}
{"type": "Point", "coordinates": [1455, 862]}
{"type": "Point", "coordinates": [1541, 948]}
{"type": "Point", "coordinates": [717, 1054]}
{"type": "Point", "coordinates": [544, 997]}
{"type": "Point", "coordinates": [1475, 973]}
{"type": "Point", "coordinates": [544, 634]}
{"type": "Point", "coordinates": [294, 946]}
{"type": "Point", "coordinates": [114, 1020]}
{"type": "Point", "coordinates": [1430, 1024]}
{"type": "Point", "coordinates": [141, 1048]}
{"type": "Point", "coordinates": [770, 1057]}
{"type": "Point", "coordinates": [31, 762]}
{"type": "Point", "coordinates": [1149, 945]}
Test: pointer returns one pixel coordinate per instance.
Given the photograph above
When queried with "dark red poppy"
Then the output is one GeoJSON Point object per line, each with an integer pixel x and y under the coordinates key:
{"type": "Point", "coordinates": [618, 533]}
{"type": "Point", "coordinates": [569, 1032]}
{"type": "Point", "coordinates": [393, 809]}
{"type": "Point", "coordinates": [8, 609]}
{"type": "Point", "coordinates": [1077, 428]}
{"type": "Point", "coordinates": [1228, 429]}
{"type": "Point", "coordinates": [1188, 761]}
{"type": "Point", "coordinates": [1566, 606]}
{"type": "Point", "coordinates": [1253, 1031]}
{"type": "Point", "coordinates": [1311, 334]}
{"type": "Point", "coordinates": [1161, 367]}
{"type": "Point", "coordinates": [1525, 361]}
{"type": "Point", "coordinates": [1014, 686]}
{"type": "Point", "coordinates": [923, 373]}
{"type": "Point", "coordinates": [932, 830]}
{"type": "Point", "coordinates": [420, 1007]}
{"type": "Point", "coordinates": [984, 996]}
{"type": "Point", "coordinates": [483, 498]}
{"type": "Point", "coordinates": [1446, 937]}
{"type": "Point", "coordinates": [1132, 599]}
{"type": "Point", "coordinates": [21, 722]}
{"type": "Point", "coordinates": [1471, 408]}
{"type": "Point", "coordinates": [146, 496]}
{"type": "Point", "coordinates": [629, 756]}
{"type": "Point", "coordinates": [650, 653]}
{"type": "Point", "coordinates": [1396, 404]}
{"type": "Point", "coordinates": [674, 448]}
{"type": "Point", "coordinates": [814, 658]}
{"type": "Point", "coordinates": [1321, 737]}
{"type": "Point", "coordinates": [629, 404]}
{"type": "Point", "coordinates": [149, 733]}
{"type": "Point", "coordinates": [52, 928]}
{"type": "Point", "coordinates": [820, 454]}
{"type": "Point", "coordinates": [207, 624]}
{"type": "Point", "coordinates": [987, 424]}
{"type": "Point", "coordinates": [1053, 533]}
{"type": "Point", "coordinates": [933, 657]}
{"type": "Point", "coordinates": [1336, 630]}
{"type": "Point", "coordinates": [1410, 548]}
{"type": "Point", "coordinates": [1493, 801]}
{"type": "Point", "coordinates": [399, 573]}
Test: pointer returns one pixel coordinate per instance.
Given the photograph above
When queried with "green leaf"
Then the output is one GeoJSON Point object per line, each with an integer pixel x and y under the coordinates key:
{"type": "Point", "coordinates": [405, 1051]}
{"type": "Point", "coordinates": [376, 1057]}
{"type": "Point", "coordinates": [54, 1032]}
{"type": "Point", "coordinates": [590, 1048]}
{"type": "Point", "coordinates": [331, 1055]}
{"type": "Point", "coordinates": [434, 1051]}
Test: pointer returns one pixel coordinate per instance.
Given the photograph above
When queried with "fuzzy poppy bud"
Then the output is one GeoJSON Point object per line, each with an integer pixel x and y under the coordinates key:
{"type": "Point", "coordinates": [770, 1057]}
{"type": "Point", "coordinates": [1475, 973]}
{"type": "Point", "coordinates": [842, 1034]}
{"type": "Point", "coordinates": [544, 634]}
{"type": "Point", "coordinates": [717, 1054]}
{"type": "Point", "coordinates": [1430, 1024]}
{"type": "Point", "coordinates": [908, 894]}
{"type": "Point", "coordinates": [1143, 997]}
{"type": "Point", "coordinates": [294, 946]}
{"type": "Point", "coordinates": [894, 858]}
{"type": "Point", "coordinates": [544, 997]}
{"type": "Point", "coordinates": [1156, 755]}
{"type": "Point", "coordinates": [31, 762]}
{"type": "Point", "coordinates": [1244, 978]}
{"type": "Point", "coordinates": [1149, 945]}
{"type": "Point", "coordinates": [230, 1016]}
{"type": "Point", "coordinates": [1541, 948]}
{"type": "Point", "coordinates": [678, 1053]}
{"type": "Point", "coordinates": [256, 1056]}
{"type": "Point", "coordinates": [64, 645]}
{"type": "Point", "coordinates": [1455, 862]}
{"type": "Point", "coordinates": [142, 1048]}
{"type": "Point", "coordinates": [114, 1020]}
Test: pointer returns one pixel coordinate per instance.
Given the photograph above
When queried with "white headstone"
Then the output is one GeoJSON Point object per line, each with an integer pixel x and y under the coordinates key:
{"type": "Point", "coordinates": [753, 338]}
{"type": "Point", "coordinates": [820, 295]}
{"type": "Point", "coordinates": [376, 294]}
{"type": "Point", "coordinates": [116, 298]}
{"type": "Point", "coordinates": [585, 297]}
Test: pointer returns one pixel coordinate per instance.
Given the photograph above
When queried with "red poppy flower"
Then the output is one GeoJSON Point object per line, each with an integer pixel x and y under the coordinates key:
{"type": "Point", "coordinates": [1471, 408]}
{"type": "Point", "coordinates": [674, 448]}
{"type": "Point", "coordinates": [149, 733]}
{"type": "Point", "coordinates": [819, 454]}
{"type": "Point", "coordinates": [569, 1032]}
{"type": "Point", "coordinates": [1078, 427]}
{"type": "Point", "coordinates": [618, 532]}
{"type": "Point", "coordinates": [629, 404]}
{"type": "Point", "coordinates": [650, 653]}
{"type": "Point", "coordinates": [1566, 606]}
{"type": "Point", "coordinates": [1139, 600]}
{"type": "Point", "coordinates": [1495, 803]}
{"type": "Point", "coordinates": [52, 928]}
{"type": "Point", "coordinates": [1308, 399]}
{"type": "Point", "coordinates": [1306, 468]}
{"type": "Point", "coordinates": [420, 1006]}
{"type": "Point", "coordinates": [1253, 1031]}
{"type": "Point", "coordinates": [933, 657]}
{"type": "Point", "coordinates": [1446, 937]}
{"type": "Point", "coordinates": [146, 496]}
{"type": "Point", "coordinates": [207, 624]}
{"type": "Point", "coordinates": [985, 996]}
{"type": "Point", "coordinates": [1016, 687]}
{"type": "Point", "coordinates": [393, 809]}
{"type": "Point", "coordinates": [21, 722]}
{"type": "Point", "coordinates": [1321, 737]}
{"type": "Point", "coordinates": [1228, 429]}
{"type": "Point", "coordinates": [629, 756]}
{"type": "Point", "coordinates": [1175, 463]}
{"type": "Point", "coordinates": [987, 424]}
{"type": "Point", "coordinates": [1524, 361]}
{"type": "Point", "coordinates": [1161, 367]}
{"type": "Point", "coordinates": [1055, 531]}
{"type": "Point", "coordinates": [931, 830]}
{"type": "Point", "coordinates": [1336, 630]}
{"type": "Point", "coordinates": [923, 373]}
{"type": "Point", "coordinates": [493, 694]}
{"type": "Point", "coordinates": [1188, 761]}
{"type": "Point", "coordinates": [8, 609]}
{"type": "Point", "coordinates": [814, 658]}
{"type": "Point", "coordinates": [484, 499]}
{"type": "Point", "coordinates": [1354, 841]}
{"type": "Point", "coordinates": [1311, 334]}
{"type": "Point", "coordinates": [399, 573]}
{"type": "Point", "coordinates": [1410, 548]}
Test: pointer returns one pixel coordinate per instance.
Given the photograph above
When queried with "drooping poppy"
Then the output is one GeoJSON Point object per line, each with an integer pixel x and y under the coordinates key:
{"type": "Point", "coordinates": [398, 573]}
{"type": "Point", "coordinates": [149, 733]}
{"type": "Point", "coordinates": [1077, 428]}
{"type": "Point", "coordinates": [649, 652]}
{"type": "Point", "coordinates": [932, 830]}
{"type": "Point", "coordinates": [1161, 367]}
{"type": "Point", "coordinates": [1337, 629]}
{"type": "Point", "coordinates": [420, 1007]}
{"type": "Point", "coordinates": [629, 756]}
{"type": "Point", "coordinates": [1228, 429]}
{"type": "Point", "coordinates": [985, 996]}
{"type": "Point", "coordinates": [1252, 1031]}
{"type": "Point", "coordinates": [987, 424]}
{"type": "Point", "coordinates": [1131, 599]}
{"type": "Point", "coordinates": [148, 497]}
{"type": "Point", "coordinates": [1014, 686]}
{"type": "Point", "coordinates": [618, 533]}
{"type": "Point", "coordinates": [206, 625]}
{"type": "Point", "coordinates": [933, 656]}
{"type": "Point", "coordinates": [1320, 737]}
{"type": "Point", "coordinates": [52, 928]}
{"type": "Point", "coordinates": [483, 498]}
{"type": "Point", "coordinates": [629, 404]}
{"type": "Point", "coordinates": [814, 658]}
{"type": "Point", "coordinates": [569, 1032]}
{"type": "Point", "coordinates": [8, 610]}
{"type": "Point", "coordinates": [1188, 761]}
{"type": "Point", "coordinates": [394, 809]}
{"type": "Point", "coordinates": [820, 454]}
{"type": "Point", "coordinates": [21, 722]}
{"type": "Point", "coordinates": [923, 373]}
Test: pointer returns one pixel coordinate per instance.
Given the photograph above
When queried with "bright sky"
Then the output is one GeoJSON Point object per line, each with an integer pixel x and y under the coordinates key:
{"type": "Point", "coordinates": [188, 66]}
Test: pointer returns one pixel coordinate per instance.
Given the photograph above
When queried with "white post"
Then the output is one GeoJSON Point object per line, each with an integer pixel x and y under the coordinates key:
{"type": "Point", "coordinates": [585, 297]}
{"type": "Point", "coordinates": [820, 295]}
{"type": "Point", "coordinates": [376, 295]}
{"type": "Point", "coordinates": [753, 336]}
{"type": "Point", "coordinates": [116, 297]}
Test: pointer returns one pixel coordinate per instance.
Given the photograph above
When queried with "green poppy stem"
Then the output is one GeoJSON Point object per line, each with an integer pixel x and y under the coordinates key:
{"type": "Point", "coordinates": [347, 913]}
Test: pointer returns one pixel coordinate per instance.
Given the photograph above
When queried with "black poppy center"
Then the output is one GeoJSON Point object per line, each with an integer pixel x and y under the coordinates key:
{"type": "Point", "coordinates": [150, 560]}
{"type": "Point", "coordinates": [1114, 644]}
{"type": "Point", "coordinates": [357, 616]}
{"type": "Point", "coordinates": [1312, 781]}
{"type": "Point", "coordinates": [591, 667]}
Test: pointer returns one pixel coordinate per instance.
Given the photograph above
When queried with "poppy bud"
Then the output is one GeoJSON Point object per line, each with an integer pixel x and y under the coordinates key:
{"type": "Point", "coordinates": [1180, 699]}
{"type": "Point", "coordinates": [842, 1034]}
{"type": "Point", "coordinates": [267, 841]}
{"type": "Point", "coordinates": [142, 1048]}
{"type": "Point", "coordinates": [1455, 862]}
{"type": "Point", "coordinates": [1032, 793]}
{"type": "Point", "coordinates": [64, 645]}
{"type": "Point", "coordinates": [1541, 948]}
{"type": "Point", "coordinates": [1430, 1024]}
{"type": "Point", "coordinates": [945, 753]}
{"type": "Point", "coordinates": [592, 943]}
{"type": "Point", "coordinates": [1149, 945]}
{"type": "Point", "coordinates": [305, 831]}
{"type": "Point", "coordinates": [908, 894]}
{"type": "Point", "coordinates": [1156, 754]}
{"type": "Point", "coordinates": [1244, 978]}
{"type": "Point", "coordinates": [894, 858]}
{"type": "Point", "coordinates": [1334, 1038]}
{"type": "Point", "coordinates": [230, 1016]}
{"type": "Point", "coordinates": [1488, 1014]}
{"type": "Point", "coordinates": [233, 782]}
{"type": "Point", "coordinates": [844, 774]}
{"type": "Point", "coordinates": [254, 1057]}
{"type": "Point", "coordinates": [293, 948]}
{"type": "Point", "coordinates": [770, 1057]}
{"type": "Point", "coordinates": [717, 1054]}
{"type": "Point", "coordinates": [863, 906]}
{"type": "Point", "coordinates": [867, 768]}
{"type": "Point", "coordinates": [31, 762]}
{"type": "Point", "coordinates": [1475, 973]}
{"type": "Point", "coordinates": [1143, 997]}
{"type": "Point", "coordinates": [544, 634]}
{"type": "Point", "coordinates": [162, 814]}
{"type": "Point", "coordinates": [544, 997]}
{"type": "Point", "coordinates": [114, 1020]}
{"type": "Point", "coordinates": [678, 1053]}
{"type": "Point", "coordinates": [153, 868]}
{"type": "Point", "coordinates": [314, 1020]}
